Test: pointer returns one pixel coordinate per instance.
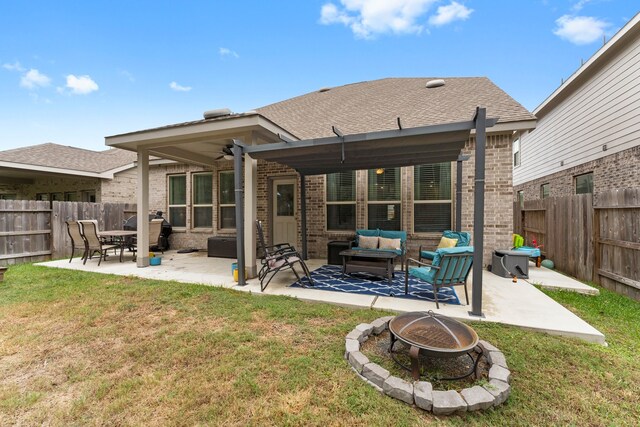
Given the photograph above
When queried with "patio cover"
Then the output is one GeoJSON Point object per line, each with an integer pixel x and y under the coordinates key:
{"type": "Point", "coordinates": [384, 149]}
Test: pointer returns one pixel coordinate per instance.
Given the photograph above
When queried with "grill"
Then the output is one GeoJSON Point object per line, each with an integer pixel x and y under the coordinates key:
{"type": "Point", "coordinates": [163, 242]}
{"type": "Point", "coordinates": [432, 335]}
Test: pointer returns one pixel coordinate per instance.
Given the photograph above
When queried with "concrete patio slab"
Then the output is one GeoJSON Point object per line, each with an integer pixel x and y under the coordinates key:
{"type": "Point", "coordinates": [550, 279]}
{"type": "Point", "coordinates": [519, 304]}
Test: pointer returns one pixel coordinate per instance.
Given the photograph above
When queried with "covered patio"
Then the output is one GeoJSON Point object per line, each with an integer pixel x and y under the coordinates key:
{"type": "Point", "coordinates": [251, 137]}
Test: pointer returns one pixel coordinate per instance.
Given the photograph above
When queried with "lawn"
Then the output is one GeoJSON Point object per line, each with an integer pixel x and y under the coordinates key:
{"type": "Point", "coordinates": [85, 349]}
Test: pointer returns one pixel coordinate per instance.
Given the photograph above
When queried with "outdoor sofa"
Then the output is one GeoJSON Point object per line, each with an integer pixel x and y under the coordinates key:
{"type": "Point", "coordinates": [381, 240]}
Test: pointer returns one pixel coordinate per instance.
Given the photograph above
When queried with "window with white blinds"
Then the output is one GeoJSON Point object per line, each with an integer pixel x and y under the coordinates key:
{"type": "Point", "coordinates": [432, 197]}
{"type": "Point", "coordinates": [341, 200]}
{"type": "Point", "coordinates": [383, 201]}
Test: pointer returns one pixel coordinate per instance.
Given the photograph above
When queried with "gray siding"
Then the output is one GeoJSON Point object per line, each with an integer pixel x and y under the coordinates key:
{"type": "Point", "coordinates": [604, 110]}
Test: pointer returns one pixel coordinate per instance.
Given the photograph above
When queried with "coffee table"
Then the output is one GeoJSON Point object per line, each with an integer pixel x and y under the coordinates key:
{"type": "Point", "coordinates": [379, 263]}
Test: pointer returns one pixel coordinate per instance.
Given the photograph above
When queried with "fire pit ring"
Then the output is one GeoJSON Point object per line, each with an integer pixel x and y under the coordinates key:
{"type": "Point", "coordinates": [432, 335]}
{"type": "Point", "coordinates": [421, 393]}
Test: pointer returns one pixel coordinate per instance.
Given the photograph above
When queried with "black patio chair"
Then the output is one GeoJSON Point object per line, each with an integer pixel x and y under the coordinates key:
{"type": "Point", "coordinates": [279, 257]}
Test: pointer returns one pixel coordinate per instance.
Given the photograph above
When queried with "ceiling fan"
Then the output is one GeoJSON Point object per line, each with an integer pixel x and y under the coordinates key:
{"type": "Point", "coordinates": [225, 153]}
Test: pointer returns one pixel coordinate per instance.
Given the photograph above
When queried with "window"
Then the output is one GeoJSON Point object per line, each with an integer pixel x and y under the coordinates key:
{"type": "Point", "coordinates": [202, 187]}
{"type": "Point", "coordinates": [584, 183]}
{"type": "Point", "coordinates": [521, 198]}
{"type": "Point", "coordinates": [516, 152]}
{"type": "Point", "coordinates": [89, 196]}
{"type": "Point", "coordinates": [341, 200]}
{"type": "Point", "coordinates": [544, 191]}
{"type": "Point", "coordinates": [7, 196]}
{"type": "Point", "coordinates": [383, 207]}
{"type": "Point", "coordinates": [178, 200]}
{"type": "Point", "coordinates": [57, 196]}
{"type": "Point", "coordinates": [70, 196]}
{"type": "Point", "coordinates": [227, 200]}
{"type": "Point", "coordinates": [432, 198]}
{"type": "Point", "coordinates": [42, 196]}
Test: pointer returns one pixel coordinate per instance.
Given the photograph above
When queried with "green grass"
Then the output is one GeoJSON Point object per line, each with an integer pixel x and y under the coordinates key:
{"type": "Point", "coordinates": [84, 349]}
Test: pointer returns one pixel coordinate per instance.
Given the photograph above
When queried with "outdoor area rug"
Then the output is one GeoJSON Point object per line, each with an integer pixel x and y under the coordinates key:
{"type": "Point", "coordinates": [330, 278]}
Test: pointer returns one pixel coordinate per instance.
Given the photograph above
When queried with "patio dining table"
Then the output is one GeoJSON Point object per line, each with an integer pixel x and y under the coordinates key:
{"type": "Point", "coordinates": [121, 238]}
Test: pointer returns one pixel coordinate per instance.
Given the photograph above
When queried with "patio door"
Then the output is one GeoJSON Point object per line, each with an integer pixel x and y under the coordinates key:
{"type": "Point", "coordinates": [284, 202]}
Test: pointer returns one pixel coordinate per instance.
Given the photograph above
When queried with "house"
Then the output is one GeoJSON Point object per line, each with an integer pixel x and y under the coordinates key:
{"type": "Point", "coordinates": [197, 190]}
{"type": "Point", "coordinates": [57, 172]}
{"type": "Point", "coordinates": [587, 139]}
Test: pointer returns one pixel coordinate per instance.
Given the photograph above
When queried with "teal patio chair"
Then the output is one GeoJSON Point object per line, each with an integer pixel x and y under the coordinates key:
{"type": "Point", "coordinates": [450, 267]}
{"type": "Point", "coordinates": [464, 239]}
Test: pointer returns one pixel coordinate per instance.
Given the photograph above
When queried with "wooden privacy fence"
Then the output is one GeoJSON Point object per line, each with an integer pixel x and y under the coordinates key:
{"type": "Point", "coordinates": [617, 241]}
{"type": "Point", "coordinates": [35, 230]}
{"type": "Point", "coordinates": [594, 238]}
{"type": "Point", "coordinates": [562, 225]}
{"type": "Point", "coordinates": [110, 216]}
{"type": "Point", "coordinates": [25, 231]}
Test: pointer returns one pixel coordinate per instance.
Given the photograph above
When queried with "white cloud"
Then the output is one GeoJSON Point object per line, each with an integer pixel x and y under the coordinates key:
{"type": "Point", "coordinates": [127, 75]}
{"type": "Point", "coordinates": [34, 79]}
{"type": "Point", "coordinates": [577, 7]}
{"type": "Point", "coordinates": [81, 85]}
{"type": "Point", "coordinates": [175, 86]}
{"type": "Point", "coordinates": [452, 12]}
{"type": "Point", "coordinates": [223, 51]}
{"type": "Point", "coordinates": [366, 18]}
{"type": "Point", "coordinates": [580, 29]}
{"type": "Point", "coordinates": [16, 66]}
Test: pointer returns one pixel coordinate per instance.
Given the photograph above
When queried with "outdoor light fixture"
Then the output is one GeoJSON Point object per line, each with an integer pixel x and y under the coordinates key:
{"type": "Point", "coordinates": [379, 171]}
{"type": "Point", "coordinates": [228, 157]}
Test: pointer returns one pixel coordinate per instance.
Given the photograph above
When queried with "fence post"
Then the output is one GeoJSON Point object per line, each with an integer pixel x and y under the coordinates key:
{"type": "Point", "coordinates": [596, 245]}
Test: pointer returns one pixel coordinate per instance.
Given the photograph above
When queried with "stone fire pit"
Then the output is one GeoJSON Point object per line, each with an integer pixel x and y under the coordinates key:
{"type": "Point", "coordinates": [421, 393]}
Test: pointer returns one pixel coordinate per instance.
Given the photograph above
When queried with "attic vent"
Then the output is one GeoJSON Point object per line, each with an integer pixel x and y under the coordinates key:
{"type": "Point", "coordinates": [435, 83]}
{"type": "Point", "coordinates": [220, 112]}
{"type": "Point", "coordinates": [324, 89]}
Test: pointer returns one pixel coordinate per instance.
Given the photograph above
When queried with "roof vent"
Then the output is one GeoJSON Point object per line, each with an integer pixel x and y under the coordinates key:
{"type": "Point", "coordinates": [435, 83]}
{"type": "Point", "coordinates": [220, 112]}
{"type": "Point", "coordinates": [324, 89]}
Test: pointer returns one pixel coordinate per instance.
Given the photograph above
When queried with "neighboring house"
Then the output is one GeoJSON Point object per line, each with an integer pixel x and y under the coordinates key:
{"type": "Point", "coordinates": [57, 172]}
{"type": "Point", "coordinates": [199, 200]}
{"type": "Point", "coordinates": [587, 139]}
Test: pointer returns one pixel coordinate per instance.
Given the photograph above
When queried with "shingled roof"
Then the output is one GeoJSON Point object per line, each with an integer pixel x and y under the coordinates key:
{"type": "Point", "coordinates": [64, 157]}
{"type": "Point", "coordinates": [375, 106]}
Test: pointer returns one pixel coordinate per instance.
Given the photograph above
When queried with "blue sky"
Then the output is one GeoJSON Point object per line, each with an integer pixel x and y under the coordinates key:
{"type": "Point", "coordinates": [74, 72]}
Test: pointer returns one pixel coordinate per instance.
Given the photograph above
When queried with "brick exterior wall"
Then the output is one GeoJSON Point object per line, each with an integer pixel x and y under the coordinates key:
{"type": "Point", "coordinates": [619, 170]}
{"type": "Point", "coordinates": [158, 200]}
{"type": "Point", "coordinates": [52, 184]}
{"type": "Point", "coordinates": [498, 205]}
{"type": "Point", "coordinates": [120, 189]}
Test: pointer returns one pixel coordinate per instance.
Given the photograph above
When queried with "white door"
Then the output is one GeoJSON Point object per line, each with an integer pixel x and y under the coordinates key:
{"type": "Point", "coordinates": [284, 211]}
